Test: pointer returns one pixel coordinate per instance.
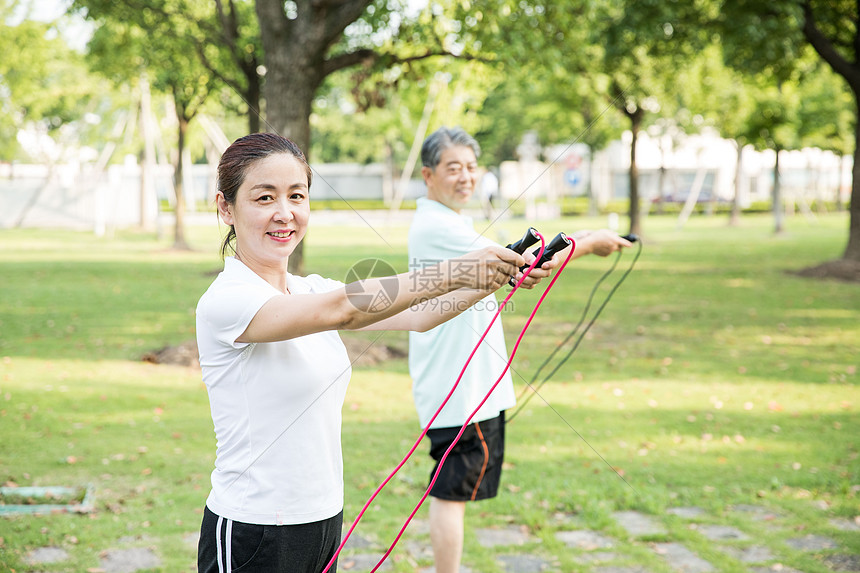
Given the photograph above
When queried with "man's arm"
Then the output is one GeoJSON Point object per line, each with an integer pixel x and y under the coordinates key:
{"type": "Point", "coordinates": [601, 243]}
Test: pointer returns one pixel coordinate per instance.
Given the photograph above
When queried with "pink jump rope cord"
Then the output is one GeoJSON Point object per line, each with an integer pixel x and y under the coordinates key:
{"type": "Point", "coordinates": [436, 414]}
{"type": "Point", "coordinates": [487, 397]}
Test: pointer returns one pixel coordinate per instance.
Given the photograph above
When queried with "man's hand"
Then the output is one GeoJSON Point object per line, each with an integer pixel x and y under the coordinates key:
{"type": "Point", "coordinates": [536, 275]}
{"type": "Point", "coordinates": [602, 243]}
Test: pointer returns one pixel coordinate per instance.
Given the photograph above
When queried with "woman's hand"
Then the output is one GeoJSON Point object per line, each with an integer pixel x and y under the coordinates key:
{"type": "Point", "coordinates": [536, 275]}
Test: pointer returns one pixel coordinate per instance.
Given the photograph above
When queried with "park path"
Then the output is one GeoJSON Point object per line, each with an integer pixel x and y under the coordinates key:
{"type": "Point", "coordinates": [518, 550]}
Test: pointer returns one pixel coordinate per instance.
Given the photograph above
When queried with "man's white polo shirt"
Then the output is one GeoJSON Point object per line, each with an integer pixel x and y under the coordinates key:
{"type": "Point", "coordinates": [437, 356]}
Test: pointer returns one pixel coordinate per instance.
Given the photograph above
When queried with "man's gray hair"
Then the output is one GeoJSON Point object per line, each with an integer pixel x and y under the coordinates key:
{"type": "Point", "coordinates": [443, 138]}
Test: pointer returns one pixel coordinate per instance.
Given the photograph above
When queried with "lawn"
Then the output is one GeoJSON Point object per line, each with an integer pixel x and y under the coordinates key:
{"type": "Point", "coordinates": [713, 377]}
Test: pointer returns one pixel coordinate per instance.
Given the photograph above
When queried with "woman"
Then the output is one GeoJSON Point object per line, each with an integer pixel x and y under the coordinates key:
{"type": "Point", "coordinates": [276, 369]}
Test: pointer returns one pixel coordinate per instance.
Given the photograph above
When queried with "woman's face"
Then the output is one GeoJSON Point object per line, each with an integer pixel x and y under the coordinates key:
{"type": "Point", "coordinates": [271, 211]}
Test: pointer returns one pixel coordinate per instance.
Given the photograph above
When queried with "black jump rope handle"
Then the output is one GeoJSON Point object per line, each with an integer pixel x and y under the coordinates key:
{"type": "Point", "coordinates": [529, 239]}
{"type": "Point", "coordinates": [558, 243]}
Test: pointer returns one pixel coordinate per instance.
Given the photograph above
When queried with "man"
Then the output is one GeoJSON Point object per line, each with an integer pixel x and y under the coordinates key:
{"type": "Point", "coordinates": [439, 231]}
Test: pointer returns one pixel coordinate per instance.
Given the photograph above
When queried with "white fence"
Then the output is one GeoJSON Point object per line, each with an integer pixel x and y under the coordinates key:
{"type": "Point", "coordinates": [73, 197]}
{"type": "Point", "coordinates": [76, 197]}
{"type": "Point", "coordinates": [805, 175]}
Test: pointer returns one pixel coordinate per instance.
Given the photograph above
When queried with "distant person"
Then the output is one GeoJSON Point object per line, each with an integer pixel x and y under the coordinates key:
{"type": "Point", "coordinates": [489, 192]}
{"type": "Point", "coordinates": [439, 231]}
{"type": "Point", "coordinates": [276, 370]}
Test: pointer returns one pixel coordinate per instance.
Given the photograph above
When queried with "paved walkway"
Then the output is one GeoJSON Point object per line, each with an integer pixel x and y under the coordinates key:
{"type": "Point", "coordinates": [518, 550]}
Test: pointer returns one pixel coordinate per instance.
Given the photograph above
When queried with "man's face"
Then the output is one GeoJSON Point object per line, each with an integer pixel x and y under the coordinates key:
{"type": "Point", "coordinates": [452, 182]}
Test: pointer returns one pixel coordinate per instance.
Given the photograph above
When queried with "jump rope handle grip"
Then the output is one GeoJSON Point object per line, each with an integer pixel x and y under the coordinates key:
{"type": "Point", "coordinates": [558, 243]}
{"type": "Point", "coordinates": [632, 237]}
{"type": "Point", "coordinates": [529, 238]}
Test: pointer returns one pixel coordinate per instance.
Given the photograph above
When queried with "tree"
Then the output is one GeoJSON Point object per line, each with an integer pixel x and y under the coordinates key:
{"type": "Point", "coordinates": [725, 99]}
{"type": "Point", "coordinates": [305, 41]}
{"type": "Point", "coordinates": [44, 84]}
{"type": "Point", "coordinates": [769, 37]}
{"type": "Point", "coordinates": [230, 48]}
{"type": "Point", "coordinates": [223, 34]}
{"type": "Point", "coordinates": [371, 114]}
{"type": "Point", "coordinates": [646, 43]}
{"type": "Point", "coordinates": [541, 58]}
{"type": "Point", "coordinates": [775, 126]}
{"type": "Point", "coordinates": [47, 96]}
{"type": "Point", "coordinates": [127, 43]}
{"type": "Point", "coordinates": [559, 103]}
{"type": "Point", "coordinates": [828, 113]}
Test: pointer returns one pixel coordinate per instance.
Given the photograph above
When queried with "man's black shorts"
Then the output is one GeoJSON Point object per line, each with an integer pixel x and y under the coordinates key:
{"type": "Point", "coordinates": [473, 469]}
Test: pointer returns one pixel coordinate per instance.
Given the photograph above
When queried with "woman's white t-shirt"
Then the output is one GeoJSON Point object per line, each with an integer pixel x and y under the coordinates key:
{"type": "Point", "coordinates": [276, 406]}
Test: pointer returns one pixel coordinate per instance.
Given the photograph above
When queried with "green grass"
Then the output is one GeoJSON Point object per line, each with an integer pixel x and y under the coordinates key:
{"type": "Point", "coordinates": [714, 377]}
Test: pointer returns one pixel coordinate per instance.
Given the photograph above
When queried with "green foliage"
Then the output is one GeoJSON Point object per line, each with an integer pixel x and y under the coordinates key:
{"type": "Point", "coordinates": [724, 97]}
{"type": "Point", "coordinates": [810, 110]}
{"type": "Point", "coordinates": [540, 35]}
{"type": "Point", "coordinates": [45, 86]}
{"type": "Point", "coordinates": [207, 52]}
{"type": "Point", "coordinates": [799, 102]}
{"type": "Point", "coordinates": [838, 21]}
{"type": "Point", "coordinates": [371, 114]}
{"type": "Point", "coordinates": [562, 107]}
{"type": "Point", "coordinates": [646, 44]}
{"type": "Point", "coordinates": [545, 80]}
{"type": "Point", "coordinates": [827, 114]}
{"type": "Point", "coordinates": [147, 39]}
{"type": "Point", "coordinates": [760, 37]}
{"type": "Point", "coordinates": [521, 68]}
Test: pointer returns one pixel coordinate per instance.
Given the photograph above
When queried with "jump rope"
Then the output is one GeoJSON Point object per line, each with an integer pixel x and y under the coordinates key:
{"type": "Point", "coordinates": [524, 398]}
{"type": "Point", "coordinates": [542, 255]}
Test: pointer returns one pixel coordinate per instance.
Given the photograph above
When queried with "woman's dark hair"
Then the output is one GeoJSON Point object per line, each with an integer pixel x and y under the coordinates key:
{"type": "Point", "coordinates": [240, 156]}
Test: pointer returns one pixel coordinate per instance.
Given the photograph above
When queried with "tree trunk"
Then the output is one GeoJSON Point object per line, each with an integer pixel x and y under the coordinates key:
{"type": "Point", "coordinates": [147, 156]}
{"type": "Point", "coordinates": [254, 95]}
{"type": "Point", "coordinates": [852, 250]}
{"type": "Point", "coordinates": [179, 241]}
{"type": "Point", "coordinates": [735, 216]}
{"type": "Point", "coordinates": [778, 210]}
{"type": "Point", "coordinates": [290, 89]}
{"type": "Point", "coordinates": [635, 218]}
{"type": "Point", "coordinates": [849, 69]}
{"type": "Point", "coordinates": [843, 163]}
{"type": "Point", "coordinates": [294, 64]}
{"type": "Point", "coordinates": [593, 211]}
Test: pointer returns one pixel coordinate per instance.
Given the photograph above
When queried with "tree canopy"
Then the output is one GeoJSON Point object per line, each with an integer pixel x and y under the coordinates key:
{"type": "Point", "coordinates": [350, 79]}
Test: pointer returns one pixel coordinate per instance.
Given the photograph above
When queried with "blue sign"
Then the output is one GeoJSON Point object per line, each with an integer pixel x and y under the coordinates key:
{"type": "Point", "coordinates": [572, 177]}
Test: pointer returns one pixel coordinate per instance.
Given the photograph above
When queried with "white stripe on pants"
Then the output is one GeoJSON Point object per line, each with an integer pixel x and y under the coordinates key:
{"type": "Point", "coordinates": [228, 537]}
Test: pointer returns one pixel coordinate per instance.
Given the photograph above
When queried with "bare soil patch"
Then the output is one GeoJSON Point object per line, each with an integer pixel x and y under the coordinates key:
{"type": "Point", "coordinates": [360, 353]}
{"type": "Point", "coordinates": [839, 269]}
{"type": "Point", "coordinates": [184, 354]}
